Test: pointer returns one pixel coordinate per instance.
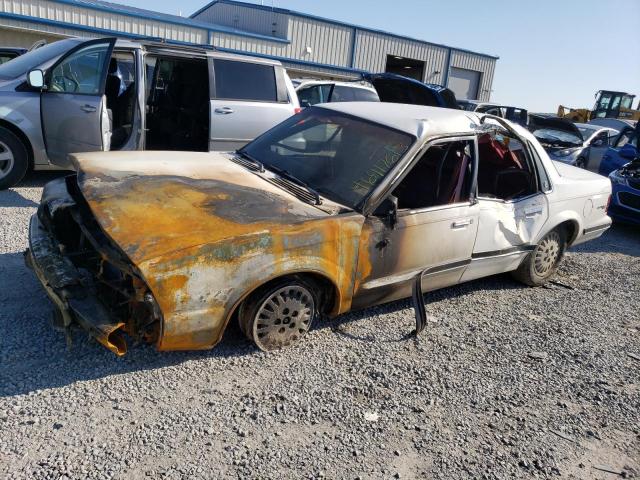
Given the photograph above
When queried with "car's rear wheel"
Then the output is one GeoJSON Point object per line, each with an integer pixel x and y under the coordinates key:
{"type": "Point", "coordinates": [278, 314]}
{"type": "Point", "coordinates": [14, 160]}
{"type": "Point", "coordinates": [543, 261]}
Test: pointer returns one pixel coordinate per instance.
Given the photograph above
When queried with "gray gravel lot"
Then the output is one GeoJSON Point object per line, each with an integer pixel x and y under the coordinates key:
{"type": "Point", "coordinates": [507, 382]}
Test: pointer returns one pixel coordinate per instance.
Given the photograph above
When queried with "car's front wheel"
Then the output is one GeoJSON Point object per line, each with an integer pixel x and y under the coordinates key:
{"type": "Point", "coordinates": [278, 314]}
{"type": "Point", "coordinates": [539, 265]}
{"type": "Point", "coordinates": [14, 160]}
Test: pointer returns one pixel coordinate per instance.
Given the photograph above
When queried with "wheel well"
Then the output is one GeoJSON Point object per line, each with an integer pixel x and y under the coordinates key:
{"type": "Point", "coordinates": [327, 291]}
{"type": "Point", "coordinates": [571, 229]}
{"type": "Point", "coordinates": [23, 138]}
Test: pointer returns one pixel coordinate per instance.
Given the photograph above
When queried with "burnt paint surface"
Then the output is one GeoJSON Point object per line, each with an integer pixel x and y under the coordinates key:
{"type": "Point", "coordinates": [204, 232]}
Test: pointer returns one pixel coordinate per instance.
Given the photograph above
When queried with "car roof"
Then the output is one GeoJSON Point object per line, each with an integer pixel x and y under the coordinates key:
{"type": "Point", "coordinates": [200, 49]}
{"type": "Point", "coordinates": [417, 120]}
{"type": "Point", "coordinates": [593, 126]}
{"type": "Point", "coordinates": [304, 83]}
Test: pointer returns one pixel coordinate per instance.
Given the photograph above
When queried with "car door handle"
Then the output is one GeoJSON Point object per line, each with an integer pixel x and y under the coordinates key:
{"type": "Point", "coordinates": [88, 108]}
{"type": "Point", "coordinates": [462, 223]}
{"type": "Point", "coordinates": [224, 110]}
{"type": "Point", "coordinates": [532, 212]}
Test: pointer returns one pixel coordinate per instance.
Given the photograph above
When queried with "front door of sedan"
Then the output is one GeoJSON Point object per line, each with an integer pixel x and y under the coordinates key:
{"type": "Point", "coordinates": [73, 106]}
{"type": "Point", "coordinates": [435, 228]}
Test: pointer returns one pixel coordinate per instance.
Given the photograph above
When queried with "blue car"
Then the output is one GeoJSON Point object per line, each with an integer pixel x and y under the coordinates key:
{"type": "Point", "coordinates": [615, 158]}
{"type": "Point", "coordinates": [625, 194]}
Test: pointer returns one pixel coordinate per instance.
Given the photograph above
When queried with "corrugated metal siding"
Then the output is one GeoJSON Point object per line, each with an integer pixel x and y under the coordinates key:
{"type": "Point", "coordinates": [104, 20]}
{"type": "Point", "coordinates": [249, 19]}
{"type": "Point", "coordinates": [484, 65]}
{"type": "Point", "coordinates": [329, 45]}
{"type": "Point", "coordinates": [18, 34]}
{"type": "Point", "coordinates": [46, 29]}
{"type": "Point", "coordinates": [372, 50]}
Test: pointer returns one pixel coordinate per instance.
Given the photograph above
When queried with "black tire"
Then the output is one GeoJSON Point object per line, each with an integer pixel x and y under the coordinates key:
{"type": "Point", "coordinates": [278, 314]}
{"type": "Point", "coordinates": [540, 265]}
{"type": "Point", "coordinates": [15, 159]}
{"type": "Point", "coordinates": [581, 163]}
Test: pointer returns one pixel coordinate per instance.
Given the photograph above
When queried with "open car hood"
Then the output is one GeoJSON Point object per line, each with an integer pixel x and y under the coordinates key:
{"type": "Point", "coordinates": [394, 88]}
{"type": "Point", "coordinates": [537, 122]}
{"type": "Point", "coordinates": [153, 203]}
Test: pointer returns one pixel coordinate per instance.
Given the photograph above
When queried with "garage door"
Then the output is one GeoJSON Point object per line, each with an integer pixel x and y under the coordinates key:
{"type": "Point", "coordinates": [464, 83]}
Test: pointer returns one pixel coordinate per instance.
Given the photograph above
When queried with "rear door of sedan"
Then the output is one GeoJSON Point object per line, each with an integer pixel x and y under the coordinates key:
{"type": "Point", "coordinates": [512, 188]}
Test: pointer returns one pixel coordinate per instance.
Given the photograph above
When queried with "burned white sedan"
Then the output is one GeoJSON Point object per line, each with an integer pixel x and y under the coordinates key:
{"type": "Point", "coordinates": [340, 207]}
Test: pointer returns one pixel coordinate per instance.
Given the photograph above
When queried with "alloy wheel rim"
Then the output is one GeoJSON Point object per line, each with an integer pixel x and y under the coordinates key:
{"type": "Point", "coordinates": [6, 160]}
{"type": "Point", "coordinates": [283, 318]}
{"type": "Point", "coordinates": [547, 254]}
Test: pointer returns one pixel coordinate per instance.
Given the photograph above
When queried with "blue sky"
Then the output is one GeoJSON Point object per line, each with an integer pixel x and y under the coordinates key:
{"type": "Point", "coordinates": [551, 51]}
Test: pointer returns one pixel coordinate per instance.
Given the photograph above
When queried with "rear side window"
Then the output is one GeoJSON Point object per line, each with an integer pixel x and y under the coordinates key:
{"type": "Point", "coordinates": [364, 95]}
{"type": "Point", "coordinates": [245, 81]}
{"type": "Point", "coordinates": [343, 93]}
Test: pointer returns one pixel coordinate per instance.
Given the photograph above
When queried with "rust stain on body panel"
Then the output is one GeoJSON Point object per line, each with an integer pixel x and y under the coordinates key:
{"type": "Point", "coordinates": [204, 232]}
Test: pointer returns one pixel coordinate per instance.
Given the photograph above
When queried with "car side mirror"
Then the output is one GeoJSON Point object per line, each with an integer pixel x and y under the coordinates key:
{"type": "Point", "coordinates": [629, 152]}
{"type": "Point", "coordinates": [388, 210]}
{"type": "Point", "coordinates": [35, 78]}
{"type": "Point", "coordinates": [598, 142]}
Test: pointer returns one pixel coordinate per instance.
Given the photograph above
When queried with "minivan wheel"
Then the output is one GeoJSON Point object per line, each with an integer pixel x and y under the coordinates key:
{"type": "Point", "coordinates": [14, 160]}
{"type": "Point", "coordinates": [539, 265]}
{"type": "Point", "coordinates": [279, 314]}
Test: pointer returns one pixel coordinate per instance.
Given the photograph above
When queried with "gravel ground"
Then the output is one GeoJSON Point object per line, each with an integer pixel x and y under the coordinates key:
{"type": "Point", "coordinates": [508, 381]}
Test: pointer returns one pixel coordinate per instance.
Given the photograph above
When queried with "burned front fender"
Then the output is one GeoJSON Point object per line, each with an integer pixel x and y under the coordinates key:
{"type": "Point", "coordinates": [199, 288]}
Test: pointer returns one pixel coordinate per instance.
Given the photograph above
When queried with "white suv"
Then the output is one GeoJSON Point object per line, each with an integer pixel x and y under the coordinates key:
{"type": "Point", "coordinates": [312, 92]}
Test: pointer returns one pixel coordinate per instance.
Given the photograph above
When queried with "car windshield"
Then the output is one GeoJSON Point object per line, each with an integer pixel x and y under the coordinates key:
{"type": "Point", "coordinates": [22, 64]}
{"type": "Point", "coordinates": [339, 156]}
{"type": "Point", "coordinates": [552, 135]}
{"type": "Point", "coordinates": [587, 132]}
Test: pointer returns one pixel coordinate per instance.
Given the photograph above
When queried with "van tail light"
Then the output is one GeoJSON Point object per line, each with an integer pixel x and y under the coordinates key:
{"type": "Point", "coordinates": [297, 110]}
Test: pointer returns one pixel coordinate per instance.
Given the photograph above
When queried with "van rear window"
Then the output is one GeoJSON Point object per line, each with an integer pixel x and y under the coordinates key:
{"type": "Point", "coordinates": [245, 81]}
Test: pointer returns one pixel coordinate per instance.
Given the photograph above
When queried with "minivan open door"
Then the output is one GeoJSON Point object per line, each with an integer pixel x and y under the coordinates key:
{"type": "Point", "coordinates": [72, 103]}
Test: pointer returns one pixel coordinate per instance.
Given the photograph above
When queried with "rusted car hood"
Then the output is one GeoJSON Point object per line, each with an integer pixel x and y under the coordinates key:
{"type": "Point", "coordinates": [153, 203]}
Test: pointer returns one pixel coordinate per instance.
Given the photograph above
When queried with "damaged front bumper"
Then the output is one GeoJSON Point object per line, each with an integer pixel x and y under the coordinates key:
{"type": "Point", "coordinates": [91, 283]}
{"type": "Point", "coordinates": [63, 283]}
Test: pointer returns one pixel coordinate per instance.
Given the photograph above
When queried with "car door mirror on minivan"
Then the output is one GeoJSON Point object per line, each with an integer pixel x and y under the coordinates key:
{"type": "Point", "coordinates": [35, 78]}
{"type": "Point", "coordinates": [388, 210]}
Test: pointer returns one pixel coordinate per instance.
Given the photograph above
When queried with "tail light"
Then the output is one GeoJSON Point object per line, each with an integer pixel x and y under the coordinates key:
{"type": "Point", "coordinates": [297, 110]}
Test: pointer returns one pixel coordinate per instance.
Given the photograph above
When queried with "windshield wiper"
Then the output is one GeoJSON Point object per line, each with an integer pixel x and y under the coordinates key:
{"type": "Point", "coordinates": [256, 163]}
{"type": "Point", "coordinates": [283, 173]}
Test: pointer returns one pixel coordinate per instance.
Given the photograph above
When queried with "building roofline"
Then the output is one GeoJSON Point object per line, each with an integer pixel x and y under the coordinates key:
{"type": "Point", "coordinates": [286, 11]}
{"type": "Point", "coordinates": [165, 18]}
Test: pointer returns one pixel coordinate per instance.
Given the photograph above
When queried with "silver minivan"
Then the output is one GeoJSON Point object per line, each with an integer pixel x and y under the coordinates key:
{"type": "Point", "coordinates": [79, 95]}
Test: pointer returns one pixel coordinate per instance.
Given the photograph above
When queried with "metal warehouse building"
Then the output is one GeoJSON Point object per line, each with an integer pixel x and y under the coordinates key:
{"type": "Point", "coordinates": [309, 46]}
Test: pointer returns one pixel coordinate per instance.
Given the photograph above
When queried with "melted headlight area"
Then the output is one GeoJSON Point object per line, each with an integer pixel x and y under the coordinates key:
{"type": "Point", "coordinates": [91, 282]}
